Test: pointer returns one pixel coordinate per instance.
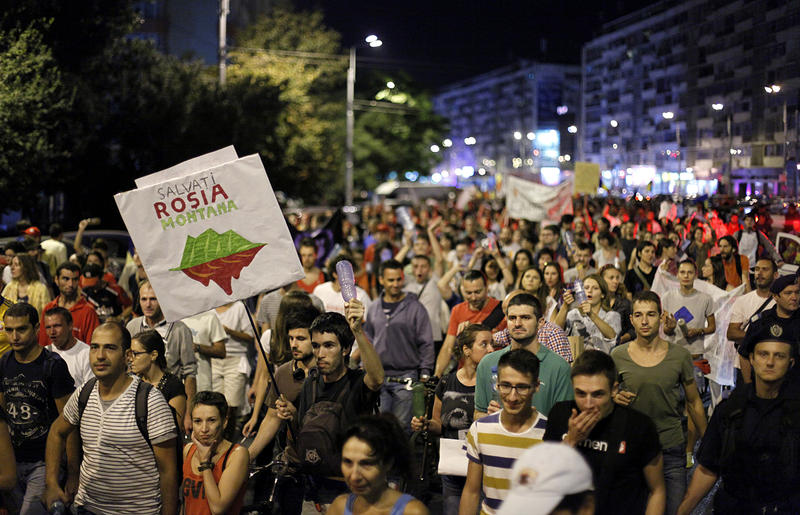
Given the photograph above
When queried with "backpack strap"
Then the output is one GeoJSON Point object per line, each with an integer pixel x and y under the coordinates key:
{"type": "Point", "coordinates": [83, 397]}
{"type": "Point", "coordinates": [142, 392]}
{"type": "Point", "coordinates": [495, 317]}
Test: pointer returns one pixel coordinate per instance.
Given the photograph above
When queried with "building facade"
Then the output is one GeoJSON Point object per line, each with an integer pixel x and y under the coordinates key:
{"type": "Point", "coordinates": [678, 93]}
{"type": "Point", "coordinates": [510, 119]}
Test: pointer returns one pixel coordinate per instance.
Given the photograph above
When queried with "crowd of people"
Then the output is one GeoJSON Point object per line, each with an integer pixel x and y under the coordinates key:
{"type": "Point", "coordinates": [564, 376]}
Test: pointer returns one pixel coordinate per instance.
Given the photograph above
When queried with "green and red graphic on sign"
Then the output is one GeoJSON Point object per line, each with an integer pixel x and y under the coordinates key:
{"type": "Point", "coordinates": [217, 257]}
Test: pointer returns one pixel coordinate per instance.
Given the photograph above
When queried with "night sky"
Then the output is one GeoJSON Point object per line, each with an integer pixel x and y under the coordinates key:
{"type": "Point", "coordinates": [441, 41]}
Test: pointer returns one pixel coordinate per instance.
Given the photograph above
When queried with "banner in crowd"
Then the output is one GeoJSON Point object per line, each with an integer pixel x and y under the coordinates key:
{"type": "Point", "coordinates": [536, 202]}
{"type": "Point", "coordinates": [587, 178]}
{"type": "Point", "coordinates": [719, 351]}
{"type": "Point", "coordinates": [210, 236]}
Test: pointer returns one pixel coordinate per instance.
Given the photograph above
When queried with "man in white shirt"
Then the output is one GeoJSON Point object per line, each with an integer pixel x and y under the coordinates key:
{"type": "Point", "coordinates": [55, 252]}
{"type": "Point", "coordinates": [746, 306]}
{"type": "Point", "coordinates": [424, 287]}
{"type": "Point", "coordinates": [331, 294]}
{"type": "Point", "coordinates": [58, 327]}
{"type": "Point", "coordinates": [208, 338]}
{"type": "Point", "coordinates": [750, 239]}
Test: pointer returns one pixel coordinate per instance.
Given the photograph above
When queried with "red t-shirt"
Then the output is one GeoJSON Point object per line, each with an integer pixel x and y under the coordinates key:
{"type": "Point", "coordinates": [84, 321]}
{"type": "Point", "coordinates": [309, 288]}
{"type": "Point", "coordinates": [462, 313]}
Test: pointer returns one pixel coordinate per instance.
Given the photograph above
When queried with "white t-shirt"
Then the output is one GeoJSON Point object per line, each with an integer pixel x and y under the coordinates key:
{"type": "Point", "coordinates": [77, 359]}
{"type": "Point", "coordinates": [236, 318]}
{"type": "Point", "coordinates": [699, 304]}
{"type": "Point", "coordinates": [748, 246]}
{"type": "Point", "coordinates": [206, 328]}
{"type": "Point", "coordinates": [745, 306]}
{"type": "Point", "coordinates": [55, 248]}
{"type": "Point", "coordinates": [333, 300]}
{"type": "Point", "coordinates": [432, 300]}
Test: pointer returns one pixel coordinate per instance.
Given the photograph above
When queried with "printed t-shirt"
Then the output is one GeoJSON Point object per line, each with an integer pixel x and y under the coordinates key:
{"type": "Point", "coordinates": [554, 380]}
{"type": "Point", "coordinates": [458, 406]}
{"type": "Point", "coordinates": [493, 446]}
{"type": "Point", "coordinates": [617, 457]}
{"type": "Point", "coordinates": [658, 389]}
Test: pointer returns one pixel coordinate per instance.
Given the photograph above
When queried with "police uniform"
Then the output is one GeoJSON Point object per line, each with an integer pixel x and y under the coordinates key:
{"type": "Point", "coordinates": [753, 444]}
{"type": "Point", "coordinates": [768, 324]}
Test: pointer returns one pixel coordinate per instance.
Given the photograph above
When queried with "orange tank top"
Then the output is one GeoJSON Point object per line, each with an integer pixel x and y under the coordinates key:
{"type": "Point", "coordinates": [194, 495]}
{"type": "Point", "coordinates": [309, 288]}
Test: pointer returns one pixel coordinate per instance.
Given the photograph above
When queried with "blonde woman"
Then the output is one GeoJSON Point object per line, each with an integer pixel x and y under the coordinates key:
{"type": "Point", "coordinates": [25, 285]}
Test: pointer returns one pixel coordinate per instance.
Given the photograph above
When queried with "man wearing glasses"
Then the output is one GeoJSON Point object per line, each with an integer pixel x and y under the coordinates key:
{"type": "Point", "coordinates": [523, 313]}
{"type": "Point", "coordinates": [495, 441]}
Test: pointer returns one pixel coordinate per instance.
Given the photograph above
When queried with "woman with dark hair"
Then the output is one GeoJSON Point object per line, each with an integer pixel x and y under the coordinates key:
{"type": "Point", "coordinates": [532, 281]}
{"type": "Point", "coordinates": [594, 320]}
{"type": "Point", "coordinates": [454, 404]}
{"type": "Point", "coordinates": [148, 361]}
{"type": "Point", "coordinates": [667, 253]}
{"type": "Point", "coordinates": [697, 249]}
{"type": "Point", "coordinates": [374, 447]}
{"type": "Point", "coordinates": [25, 285]}
{"type": "Point", "coordinates": [522, 259]}
{"type": "Point", "coordinates": [618, 301]}
{"type": "Point", "coordinates": [713, 271]}
{"type": "Point", "coordinates": [214, 469]}
{"type": "Point", "coordinates": [554, 281]}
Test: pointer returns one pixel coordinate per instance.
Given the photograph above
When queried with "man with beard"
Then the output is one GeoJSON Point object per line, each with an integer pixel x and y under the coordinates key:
{"type": "Point", "coordinates": [84, 317]}
{"type": "Point", "coordinates": [524, 312]}
{"type": "Point", "coordinates": [737, 267]}
{"type": "Point", "coordinates": [308, 258]}
{"type": "Point", "coordinates": [477, 308]}
{"type": "Point", "coordinates": [177, 341]}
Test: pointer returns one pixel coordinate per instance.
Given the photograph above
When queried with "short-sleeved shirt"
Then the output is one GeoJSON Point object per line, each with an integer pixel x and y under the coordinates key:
{"type": "Point", "coordinates": [171, 387]}
{"type": "Point", "coordinates": [236, 318]}
{"type": "Point", "coordinates": [287, 385]}
{"type": "Point", "coordinates": [549, 334]}
{"type": "Point", "coordinates": [359, 401]}
{"type": "Point", "coordinates": [699, 305]}
{"type": "Point", "coordinates": [658, 389]}
{"type": "Point", "coordinates": [458, 406]}
{"type": "Point", "coordinates": [462, 313]}
{"type": "Point", "coordinates": [578, 324]}
{"type": "Point", "coordinates": [29, 391]}
{"type": "Point", "coordinates": [746, 306]}
{"type": "Point", "coordinates": [731, 276]}
{"type": "Point", "coordinates": [77, 359]}
{"type": "Point", "coordinates": [84, 320]}
{"type": "Point", "coordinates": [554, 380]}
{"type": "Point", "coordinates": [495, 448]}
{"type": "Point", "coordinates": [632, 282]}
{"type": "Point", "coordinates": [617, 457]}
{"type": "Point", "coordinates": [119, 473]}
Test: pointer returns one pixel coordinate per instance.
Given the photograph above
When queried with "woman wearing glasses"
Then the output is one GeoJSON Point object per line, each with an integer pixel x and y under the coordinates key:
{"type": "Point", "coordinates": [148, 361]}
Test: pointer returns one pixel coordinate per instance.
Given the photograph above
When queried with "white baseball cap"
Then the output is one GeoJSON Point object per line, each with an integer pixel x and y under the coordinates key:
{"type": "Point", "coordinates": [543, 476]}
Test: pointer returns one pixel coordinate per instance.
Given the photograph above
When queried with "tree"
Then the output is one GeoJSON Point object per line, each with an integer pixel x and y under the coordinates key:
{"type": "Point", "coordinates": [34, 106]}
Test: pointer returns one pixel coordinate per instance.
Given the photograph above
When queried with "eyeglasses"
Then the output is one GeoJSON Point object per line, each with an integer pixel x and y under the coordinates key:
{"type": "Point", "coordinates": [522, 389]}
{"type": "Point", "coordinates": [139, 353]}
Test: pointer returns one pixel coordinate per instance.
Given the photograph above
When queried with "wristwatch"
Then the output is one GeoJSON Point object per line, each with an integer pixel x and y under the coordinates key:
{"type": "Point", "coordinates": [205, 465]}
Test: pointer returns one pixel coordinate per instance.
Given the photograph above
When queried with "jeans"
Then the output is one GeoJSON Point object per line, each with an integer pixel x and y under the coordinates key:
{"type": "Point", "coordinates": [674, 476]}
{"type": "Point", "coordinates": [399, 401]}
{"type": "Point", "coordinates": [26, 496]}
{"type": "Point", "coordinates": [451, 493]}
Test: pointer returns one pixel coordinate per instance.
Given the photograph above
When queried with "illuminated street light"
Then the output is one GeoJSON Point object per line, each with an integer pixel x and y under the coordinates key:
{"type": "Point", "coordinates": [572, 129]}
{"type": "Point", "coordinates": [517, 135]}
{"type": "Point", "coordinates": [613, 123]}
{"type": "Point", "coordinates": [434, 148]}
{"type": "Point", "coordinates": [717, 107]}
{"type": "Point", "coordinates": [390, 85]}
{"type": "Point", "coordinates": [447, 143]}
{"type": "Point", "coordinates": [469, 140]}
{"type": "Point", "coordinates": [531, 136]}
{"type": "Point", "coordinates": [567, 157]}
{"type": "Point", "coordinates": [373, 41]}
{"type": "Point", "coordinates": [668, 115]}
{"type": "Point", "coordinates": [614, 146]}
{"type": "Point", "coordinates": [772, 89]}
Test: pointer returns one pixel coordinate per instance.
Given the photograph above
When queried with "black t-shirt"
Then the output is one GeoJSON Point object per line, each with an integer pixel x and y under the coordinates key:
{"type": "Point", "coordinates": [105, 301]}
{"type": "Point", "coordinates": [458, 406]}
{"type": "Point", "coordinates": [634, 284]}
{"type": "Point", "coordinates": [359, 401]}
{"type": "Point", "coordinates": [619, 480]}
{"type": "Point", "coordinates": [30, 390]}
{"type": "Point", "coordinates": [171, 386]}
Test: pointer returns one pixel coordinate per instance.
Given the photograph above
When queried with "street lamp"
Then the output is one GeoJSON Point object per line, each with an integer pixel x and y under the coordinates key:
{"type": "Point", "coordinates": [469, 140]}
{"type": "Point", "coordinates": [447, 143]}
{"type": "Point", "coordinates": [613, 123]}
{"type": "Point", "coordinates": [773, 89]}
{"type": "Point", "coordinates": [729, 121]}
{"type": "Point", "coordinates": [517, 135]}
{"type": "Point", "coordinates": [434, 148]}
{"type": "Point", "coordinates": [669, 115]}
{"type": "Point", "coordinates": [531, 136]}
{"type": "Point", "coordinates": [572, 129]}
{"type": "Point", "coordinates": [373, 41]}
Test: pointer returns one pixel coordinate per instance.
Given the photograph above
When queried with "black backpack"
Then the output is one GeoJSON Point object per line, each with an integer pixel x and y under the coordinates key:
{"type": "Point", "coordinates": [323, 422]}
{"type": "Point", "coordinates": [140, 413]}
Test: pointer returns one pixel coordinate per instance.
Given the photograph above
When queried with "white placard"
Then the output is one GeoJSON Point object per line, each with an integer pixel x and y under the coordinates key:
{"type": "Point", "coordinates": [453, 459]}
{"type": "Point", "coordinates": [537, 202]}
{"type": "Point", "coordinates": [196, 164]}
{"type": "Point", "coordinates": [211, 237]}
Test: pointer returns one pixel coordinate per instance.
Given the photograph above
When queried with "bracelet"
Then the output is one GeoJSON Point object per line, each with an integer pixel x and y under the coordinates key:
{"type": "Point", "coordinates": [205, 465]}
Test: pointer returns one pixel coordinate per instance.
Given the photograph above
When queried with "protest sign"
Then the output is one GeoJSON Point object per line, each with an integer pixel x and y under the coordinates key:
{"type": "Point", "coordinates": [587, 178]}
{"type": "Point", "coordinates": [209, 237]}
{"type": "Point", "coordinates": [204, 162]}
{"type": "Point", "coordinates": [537, 202]}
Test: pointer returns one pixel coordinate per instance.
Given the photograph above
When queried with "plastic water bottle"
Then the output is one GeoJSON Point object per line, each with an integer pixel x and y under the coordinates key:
{"type": "Point", "coordinates": [418, 399]}
{"type": "Point", "coordinates": [57, 508]}
{"type": "Point", "coordinates": [578, 292]}
{"type": "Point", "coordinates": [569, 239]}
{"type": "Point", "coordinates": [405, 218]}
{"type": "Point", "coordinates": [347, 280]}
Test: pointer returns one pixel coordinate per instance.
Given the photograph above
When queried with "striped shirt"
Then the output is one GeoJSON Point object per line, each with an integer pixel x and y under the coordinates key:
{"type": "Point", "coordinates": [118, 472]}
{"type": "Point", "coordinates": [495, 448]}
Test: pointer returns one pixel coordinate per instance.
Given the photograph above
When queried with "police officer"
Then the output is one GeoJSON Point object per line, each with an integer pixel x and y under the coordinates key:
{"type": "Point", "coordinates": [784, 315]}
{"type": "Point", "coordinates": [753, 439]}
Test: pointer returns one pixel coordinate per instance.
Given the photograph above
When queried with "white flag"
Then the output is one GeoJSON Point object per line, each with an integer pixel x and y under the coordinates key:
{"type": "Point", "coordinates": [536, 202]}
